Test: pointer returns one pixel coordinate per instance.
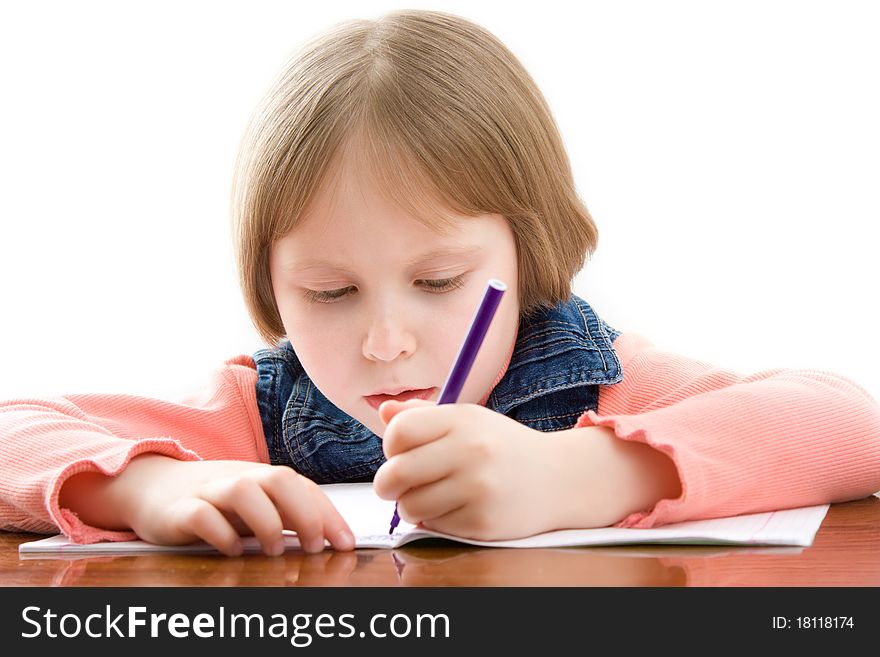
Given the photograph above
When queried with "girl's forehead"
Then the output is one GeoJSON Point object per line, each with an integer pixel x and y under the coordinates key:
{"type": "Point", "coordinates": [357, 222]}
{"type": "Point", "coordinates": [339, 202]}
{"type": "Point", "coordinates": [339, 221]}
{"type": "Point", "coordinates": [364, 177]}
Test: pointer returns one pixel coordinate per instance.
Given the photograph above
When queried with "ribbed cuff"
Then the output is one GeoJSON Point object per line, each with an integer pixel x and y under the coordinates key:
{"type": "Point", "coordinates": [111, 465]}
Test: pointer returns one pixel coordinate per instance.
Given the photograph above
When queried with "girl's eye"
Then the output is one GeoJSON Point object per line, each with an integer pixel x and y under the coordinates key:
{"type": "Point", "coordinates": [434, 286]}
{"type": "Point", "coordinates": [444, 284]}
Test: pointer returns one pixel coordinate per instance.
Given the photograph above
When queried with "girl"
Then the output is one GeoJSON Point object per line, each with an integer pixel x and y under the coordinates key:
{"type": "Point", "coordinates": [394, 167]}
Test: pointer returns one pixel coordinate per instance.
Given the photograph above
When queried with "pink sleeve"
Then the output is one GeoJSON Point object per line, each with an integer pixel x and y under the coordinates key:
{"type": "Point", "coordinates": [45, 441]}
{"type": "Point", "coordinates": [777, 439]}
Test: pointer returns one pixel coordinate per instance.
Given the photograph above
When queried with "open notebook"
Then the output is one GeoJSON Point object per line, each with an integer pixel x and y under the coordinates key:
{"type": "Point", "coordinates": [369, 517]}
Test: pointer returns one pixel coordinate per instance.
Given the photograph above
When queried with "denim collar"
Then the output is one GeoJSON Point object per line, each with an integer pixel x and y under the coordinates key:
{"type": "Point", "coordinates": [556, 349]}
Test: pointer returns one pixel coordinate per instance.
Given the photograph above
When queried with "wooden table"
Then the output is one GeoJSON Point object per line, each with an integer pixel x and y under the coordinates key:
{"type": "Point", "coordinates": [846, 552]}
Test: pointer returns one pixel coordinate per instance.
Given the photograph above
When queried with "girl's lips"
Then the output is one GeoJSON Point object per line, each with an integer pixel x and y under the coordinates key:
{"type": "Point", "coordinates": [376, 400]}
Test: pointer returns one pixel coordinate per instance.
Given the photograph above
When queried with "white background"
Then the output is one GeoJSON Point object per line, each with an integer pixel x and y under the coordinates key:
{"type": "Point", "coordinates": [729, 152]}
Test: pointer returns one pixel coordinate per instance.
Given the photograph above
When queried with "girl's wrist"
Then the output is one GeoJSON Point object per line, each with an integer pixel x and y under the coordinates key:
{"type": "Point", "coordinates": [602, 479]}
{"type": "Point", "coordinates": [132, 486]}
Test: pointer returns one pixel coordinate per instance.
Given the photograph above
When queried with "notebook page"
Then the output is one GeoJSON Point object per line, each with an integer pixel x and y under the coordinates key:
{"type": "Point", "coordinates": [368, 516]}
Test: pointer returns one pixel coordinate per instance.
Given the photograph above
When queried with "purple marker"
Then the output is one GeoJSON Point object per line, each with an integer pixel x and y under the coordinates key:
{"type": "Point", "coordinates": [467, 354]}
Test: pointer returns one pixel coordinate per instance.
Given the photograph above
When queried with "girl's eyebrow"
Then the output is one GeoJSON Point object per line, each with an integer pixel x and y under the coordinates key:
{"type": "Point", "coordinates": [428, 256]}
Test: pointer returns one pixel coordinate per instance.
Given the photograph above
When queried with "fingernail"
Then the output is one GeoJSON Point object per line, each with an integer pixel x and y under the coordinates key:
{"type": "Point", "coordinates": [237, 549]}
{"type": "Point", "coordinates": [277, 547]}
{"type": "Point", "coordinates": [344, 541]}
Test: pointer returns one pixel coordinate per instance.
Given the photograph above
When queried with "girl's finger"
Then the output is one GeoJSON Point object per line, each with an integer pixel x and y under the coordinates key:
{"type": "Point", "coordinates": [433, 501]}
{"type": "Point", "coordinates": [296, 503]}
{"type": "Point", "coordinates": [336, 529]}
{"type": "Point", "coordinates": [202, 520]}
{"type": "Point", "coordinates": [417, 467]}
{"type": "Point", "coordinates": [464, 521]}
{"type": "Point", "coordinates": [246, 498]}
{"type": "Point", "coordinates": [419, 425]}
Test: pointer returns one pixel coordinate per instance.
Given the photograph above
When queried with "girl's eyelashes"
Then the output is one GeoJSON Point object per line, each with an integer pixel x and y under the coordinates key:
{"type": "Point", "coordinates": [434, 286]}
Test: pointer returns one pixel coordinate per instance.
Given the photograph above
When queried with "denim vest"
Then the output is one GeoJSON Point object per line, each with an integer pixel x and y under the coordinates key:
{"type": "Point", "coordinates": [560, 358]}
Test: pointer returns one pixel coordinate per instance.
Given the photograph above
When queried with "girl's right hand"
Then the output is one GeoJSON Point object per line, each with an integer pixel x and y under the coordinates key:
{"type": "Point", "coordinates": [173, 502]}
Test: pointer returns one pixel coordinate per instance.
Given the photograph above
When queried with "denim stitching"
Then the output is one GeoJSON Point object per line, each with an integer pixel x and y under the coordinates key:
{"type": "Point", "coordinates": [535, 394]}
{"type": "Point", "coordinates": [299, 448]}
{"type": "Point", "coordinates": [555, 417]}
{"type": "Point", "coordinates": [586, 326]}
{"type": "Point", "coordinates": [357, 468]}
{"type": "Point", "coordinates": [277, 431]}
{"type": "Point", "coordinates": [602, 324]}
{"type": "Point", "coordinates": [578, 343]}
{"type": "Point", "coordinates": [547, 330]}
{"type": "Point", "coordinates": [530, 332]}
{"type": "Point", "coordinates": [272, 370]}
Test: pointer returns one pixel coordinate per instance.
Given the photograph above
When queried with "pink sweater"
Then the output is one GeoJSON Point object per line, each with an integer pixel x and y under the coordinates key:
{"type": "Point", "coordinates": [741, 444]}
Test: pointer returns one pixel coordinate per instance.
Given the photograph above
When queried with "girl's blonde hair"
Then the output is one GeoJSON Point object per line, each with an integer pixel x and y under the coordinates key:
{"type": "Point", "coordinates": [443, 115]}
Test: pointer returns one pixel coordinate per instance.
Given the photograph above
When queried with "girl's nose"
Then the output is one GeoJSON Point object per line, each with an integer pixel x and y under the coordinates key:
{"type": "Point", "coordinates": [387, 339]}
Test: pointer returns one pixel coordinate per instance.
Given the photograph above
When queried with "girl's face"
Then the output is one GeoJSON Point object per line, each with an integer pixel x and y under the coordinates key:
{"type": "Point", "coordinates": [373, 301]}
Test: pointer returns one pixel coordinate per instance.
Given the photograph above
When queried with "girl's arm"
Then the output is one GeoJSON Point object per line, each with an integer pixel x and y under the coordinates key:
{"type": "Point", "coordinates": [44, 442]}
{"type": "Point", "coordinates": [172, 502]}
{"type": "Point", "coordinates": [777, 439]}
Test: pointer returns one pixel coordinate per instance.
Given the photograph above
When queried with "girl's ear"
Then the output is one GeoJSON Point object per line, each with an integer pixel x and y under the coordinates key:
{"type": "Point", "coordinates": [388, 409]}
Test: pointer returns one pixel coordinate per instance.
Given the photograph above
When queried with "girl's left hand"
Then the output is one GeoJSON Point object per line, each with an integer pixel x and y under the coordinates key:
{"type": "Point", "coordinates": [465, 470]}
